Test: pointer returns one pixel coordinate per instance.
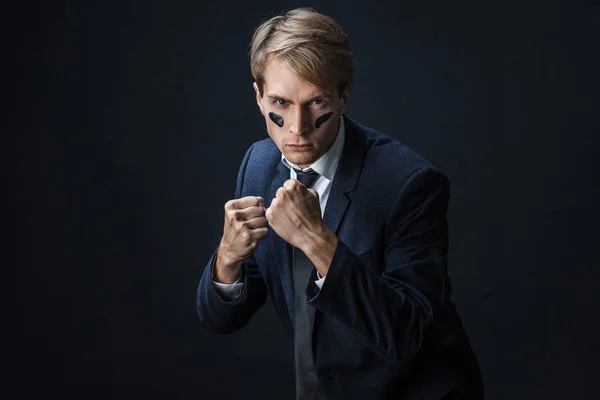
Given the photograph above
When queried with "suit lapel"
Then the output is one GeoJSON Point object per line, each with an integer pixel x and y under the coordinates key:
{"type": "Point", "coordinates": [344, 181]}
{"type": "Point", "coordinates": [346, 175]}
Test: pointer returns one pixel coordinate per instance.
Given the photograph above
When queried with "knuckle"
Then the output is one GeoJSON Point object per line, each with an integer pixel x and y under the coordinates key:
{"type": "Point", "coordinates": [238, 215]}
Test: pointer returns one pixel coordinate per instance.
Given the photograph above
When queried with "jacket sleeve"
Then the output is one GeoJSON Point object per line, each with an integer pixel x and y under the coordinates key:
{"type": "Point", "coordinates": [395, 312]}
{"type": "Point", "coordinates": [229, 316]}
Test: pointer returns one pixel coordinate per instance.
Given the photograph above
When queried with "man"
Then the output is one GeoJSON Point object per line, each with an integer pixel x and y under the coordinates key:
{"type": "Point", "coordinates": [346, 230]}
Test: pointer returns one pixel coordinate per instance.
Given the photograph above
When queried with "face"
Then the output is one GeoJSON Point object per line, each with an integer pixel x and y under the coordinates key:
{"type": "Point", "coordinates": [308, 115]}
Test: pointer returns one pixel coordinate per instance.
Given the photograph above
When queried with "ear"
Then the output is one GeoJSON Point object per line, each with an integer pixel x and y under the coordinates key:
{"type": "Point", "coordinates": [344, 97]}
{"type": "Point", "coordinates": [258, 98]}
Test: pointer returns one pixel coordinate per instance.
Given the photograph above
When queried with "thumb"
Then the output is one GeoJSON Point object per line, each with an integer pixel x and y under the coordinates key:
{"type": "Point", "coordinates": [314, 193]}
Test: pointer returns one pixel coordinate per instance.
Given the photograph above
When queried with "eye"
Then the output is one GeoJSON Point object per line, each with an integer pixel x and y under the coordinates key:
{"type": "Point", "coordinates": [280, 102]}
{"type": "Point", "coordinates": [317, 101]}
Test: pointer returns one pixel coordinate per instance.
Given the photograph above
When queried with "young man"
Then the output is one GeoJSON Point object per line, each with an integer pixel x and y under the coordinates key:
{"type": "Point", "coordinates": [345, 228]}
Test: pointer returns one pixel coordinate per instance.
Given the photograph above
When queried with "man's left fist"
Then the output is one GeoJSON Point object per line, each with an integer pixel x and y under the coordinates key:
{"type": "Point", "coordinates": [295, 213]}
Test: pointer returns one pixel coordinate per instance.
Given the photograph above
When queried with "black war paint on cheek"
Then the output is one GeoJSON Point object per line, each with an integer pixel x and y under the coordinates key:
{"type": "Point", "coordinates": [322, 119]}
{"type": "Point", "coordinates": [276, 118]}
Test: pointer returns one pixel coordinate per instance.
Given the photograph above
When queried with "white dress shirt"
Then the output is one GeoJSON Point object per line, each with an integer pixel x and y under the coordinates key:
{"type": "Point", "coordinates": [325, 167]}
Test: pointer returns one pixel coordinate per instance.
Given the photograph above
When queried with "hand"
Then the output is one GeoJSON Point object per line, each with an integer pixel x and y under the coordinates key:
{"type": "Point", "coordinates": [245, 224]}
{"type": "Point", "coordinates": [295, 213]}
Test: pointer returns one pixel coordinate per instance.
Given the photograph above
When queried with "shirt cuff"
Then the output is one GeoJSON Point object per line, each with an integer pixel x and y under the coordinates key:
{"type": "Point", "coordinates": [227, 291]}
{"type": "Point", "coordinates": [320, 281]}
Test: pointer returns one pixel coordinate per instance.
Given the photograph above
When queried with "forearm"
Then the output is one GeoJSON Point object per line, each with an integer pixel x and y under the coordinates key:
{"type": "Point", "coordinates": [320, 248]}
{"type": "Point", "coordinates": [225, 271]}
{"type": "Point", "coordinates": [226, 316]}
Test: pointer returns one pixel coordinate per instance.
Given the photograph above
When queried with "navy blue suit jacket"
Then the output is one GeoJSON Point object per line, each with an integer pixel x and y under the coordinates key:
{"type": "Point", "coordinates": [383, 323]}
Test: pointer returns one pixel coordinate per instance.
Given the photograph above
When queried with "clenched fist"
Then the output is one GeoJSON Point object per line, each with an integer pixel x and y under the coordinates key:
{"type": "Point", "coordinates": [245, 224]}
{"type": "Point", "coordinates": [295, 213]}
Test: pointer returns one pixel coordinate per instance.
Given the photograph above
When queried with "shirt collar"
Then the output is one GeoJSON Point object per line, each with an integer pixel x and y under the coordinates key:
{"type": "Point", "coordinates": [327, 164]}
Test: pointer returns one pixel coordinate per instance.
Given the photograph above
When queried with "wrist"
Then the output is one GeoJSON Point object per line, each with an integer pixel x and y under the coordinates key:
{"type": "Point", "coordinates": [315, 239]}
{"type": "Point", "coordinates": [320, 247]}
{"type": "Point", "coordinates": [226, 270]}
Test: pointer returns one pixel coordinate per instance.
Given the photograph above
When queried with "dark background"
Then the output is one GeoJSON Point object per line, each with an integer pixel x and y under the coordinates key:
{"type": "Point", "coordinates": [129, 120]}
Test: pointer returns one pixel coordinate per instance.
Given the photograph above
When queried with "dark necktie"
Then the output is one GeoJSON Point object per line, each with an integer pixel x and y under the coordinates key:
{"type": "Point", "coordinates": [307, 382]}
{"type": "Point", "coordinates": [307, 178]}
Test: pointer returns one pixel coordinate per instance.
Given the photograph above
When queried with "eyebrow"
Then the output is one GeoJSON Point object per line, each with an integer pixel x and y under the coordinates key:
{"type": "Point", "coordinates": [276, 97]}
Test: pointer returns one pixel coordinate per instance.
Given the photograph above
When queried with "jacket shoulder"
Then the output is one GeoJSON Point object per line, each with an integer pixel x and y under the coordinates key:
{"type": "Point", "coordinates": [255, 173]}
{"type": "Point", "coordinates": [393, 158]}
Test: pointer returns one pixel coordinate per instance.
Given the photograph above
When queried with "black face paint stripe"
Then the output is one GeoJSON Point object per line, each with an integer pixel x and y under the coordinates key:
{"type": "Point", "coordinates": [322, 119]}
{"type": "Point", "coordinates": [276, 118]}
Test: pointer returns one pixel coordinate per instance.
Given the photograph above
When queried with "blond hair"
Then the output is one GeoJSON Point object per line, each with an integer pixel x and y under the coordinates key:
{"type": "Point", "coordinates": [310, 43]}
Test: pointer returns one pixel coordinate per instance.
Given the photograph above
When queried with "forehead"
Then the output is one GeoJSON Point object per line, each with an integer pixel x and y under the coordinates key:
{"type": "Point", "coordinates": [281, 80]}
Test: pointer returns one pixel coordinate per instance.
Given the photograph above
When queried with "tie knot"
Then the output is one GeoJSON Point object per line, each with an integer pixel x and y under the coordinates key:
{"type": "Point", "coordinates": [307, 178]}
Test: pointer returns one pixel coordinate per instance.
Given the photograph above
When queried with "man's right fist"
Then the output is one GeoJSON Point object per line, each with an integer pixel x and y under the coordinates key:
{"type": "Point", "coordinates": [245, 224]}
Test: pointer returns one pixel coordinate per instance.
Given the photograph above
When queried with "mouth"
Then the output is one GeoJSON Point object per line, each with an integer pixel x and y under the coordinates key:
{"type": "Point", "coordinates": [299, 147]}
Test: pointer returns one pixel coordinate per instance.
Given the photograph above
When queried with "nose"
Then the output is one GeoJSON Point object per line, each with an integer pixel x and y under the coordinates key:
{"type": "Point", "coordinates": [300, 123]}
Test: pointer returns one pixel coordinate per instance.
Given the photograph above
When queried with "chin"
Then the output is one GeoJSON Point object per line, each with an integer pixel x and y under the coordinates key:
{"type": "Point", "coordinates": [301, 160]}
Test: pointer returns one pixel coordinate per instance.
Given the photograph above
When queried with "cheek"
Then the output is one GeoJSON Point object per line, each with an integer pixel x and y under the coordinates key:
{"type": "Point", "coordinates": [327, 133]}
{"type": "Point", "coordinates": [276, 133]}
{"type": "Point", "coordinates": [322, 119]}
{"type": "Point", "coordinates": [277, 119]}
